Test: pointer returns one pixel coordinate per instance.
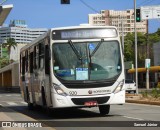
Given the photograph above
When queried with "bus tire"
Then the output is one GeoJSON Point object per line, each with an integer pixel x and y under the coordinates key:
{"type": "Point", "coordinates": [30, 105]}
{"type": "Point", "coordinates": [43, 98]}
{"type": "Point", "coordinates": [46, 108]}
{"type": "Point", "coordinates": [104, 109]}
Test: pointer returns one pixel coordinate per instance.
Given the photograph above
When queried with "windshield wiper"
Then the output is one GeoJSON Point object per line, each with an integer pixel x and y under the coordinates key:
{"type": "Point", "coordinates": [75, 50]}
{"type": "Point", "coordinates": [99, 44]}
{"type": "Point", "coordinates": [94, 51]}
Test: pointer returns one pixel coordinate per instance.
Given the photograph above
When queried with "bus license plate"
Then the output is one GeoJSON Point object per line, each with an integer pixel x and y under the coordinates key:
{"type": "Point", "coordinates": [90, 103]}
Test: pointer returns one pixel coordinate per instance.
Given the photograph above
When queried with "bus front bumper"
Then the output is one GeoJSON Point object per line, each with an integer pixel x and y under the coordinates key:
{"type": "Point", "coordinates": [59, 101]}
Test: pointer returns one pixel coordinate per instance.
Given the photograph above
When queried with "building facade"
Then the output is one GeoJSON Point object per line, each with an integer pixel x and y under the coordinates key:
{"type": "Point", "coordinates": [18, 30]}
{"type": "Point", "coordinates": [123, 20]}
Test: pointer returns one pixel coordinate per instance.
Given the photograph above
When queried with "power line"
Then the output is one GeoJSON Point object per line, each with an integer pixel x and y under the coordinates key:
{"type": "Point", "coordinates": [149, 2]}
{"type": "Point", "coordinates": [145, 2]}
{"type": "Point", "coordinates": [87, 5]}
{"type": "Point", "coordinates": [3, 1]}
{"type": "Point", "coordinates": [96, 10]}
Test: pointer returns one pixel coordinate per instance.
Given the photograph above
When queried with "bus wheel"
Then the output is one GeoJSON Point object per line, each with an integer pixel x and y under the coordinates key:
{"type": "Point", "coordinates": [30, 105]}
{"type": "Point", "coordinates": [104, 109]}
{"type": "Point", "coordinates": [43, 98]}
{"type": "Point", "coordinates": [46, 108]}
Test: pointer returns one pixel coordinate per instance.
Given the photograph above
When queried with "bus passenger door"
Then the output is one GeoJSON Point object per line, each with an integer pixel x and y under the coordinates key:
{"type": "Point", "coordinates": [23, 85]}
{"type": "Point", "coordinates": [36, 74]}
{"type": "Point", "coordinates": [31, 76]}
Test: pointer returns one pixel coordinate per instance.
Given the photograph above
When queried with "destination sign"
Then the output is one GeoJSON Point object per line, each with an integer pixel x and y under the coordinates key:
{"type": "Point", "coordinates": [84, 33]}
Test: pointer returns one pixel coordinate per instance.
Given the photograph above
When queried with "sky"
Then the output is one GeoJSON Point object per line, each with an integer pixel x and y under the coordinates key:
{"type": "Point", "coordinates": [51, 13]}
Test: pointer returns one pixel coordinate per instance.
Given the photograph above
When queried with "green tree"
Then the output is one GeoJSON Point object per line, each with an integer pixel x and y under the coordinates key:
{"type": "Point", "coordinates": [141, 39]}
{"type": "Point", "coordinates": [128, 51]}
{"type": "Point", "coordinates": [3, 62]}
{"type": "Point", "coordinates": [158, 31]}
{"type": "Point", "coordinates": [153, 38]}
{"type": "Point", "coordinates": [9, 44]}
{"type": "Point", "coordinates": [128, 47]}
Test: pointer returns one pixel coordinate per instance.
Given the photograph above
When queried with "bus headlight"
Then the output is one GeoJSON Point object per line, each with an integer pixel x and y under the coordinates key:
{"type": "Point", "coordinates": [59, 90]}
{"type": "Point", "coordinates": [119, 86]}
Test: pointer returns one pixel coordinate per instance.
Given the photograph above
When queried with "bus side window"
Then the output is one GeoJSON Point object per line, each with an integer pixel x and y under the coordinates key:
{"type": "Point", "coordinates": [20, 63]}
{"type": "Point", "coordinates": [26, 56]}
{"type": "Point", "coordinates": [41, 55]}
{"type": "Point", "coordinates": [31, 62]}
{"type": "Point", "coordinates": [47, 59]}
{"type": "Point", "coordinates": [23, 68]}
{"type": "Point", "coordinates": [36, 57]}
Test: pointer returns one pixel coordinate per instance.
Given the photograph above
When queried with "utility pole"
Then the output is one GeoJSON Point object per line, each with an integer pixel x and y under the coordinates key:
{"type": "Point", "coordinates": [122, 34]}
{"type": "Point", "coordinates": [135, 32]}
{"type": "Point", "coordinates": [147, 63]}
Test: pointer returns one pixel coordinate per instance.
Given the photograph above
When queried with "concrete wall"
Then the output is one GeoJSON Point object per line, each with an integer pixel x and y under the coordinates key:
{"type": "Point", "coordinates": [9, 75]}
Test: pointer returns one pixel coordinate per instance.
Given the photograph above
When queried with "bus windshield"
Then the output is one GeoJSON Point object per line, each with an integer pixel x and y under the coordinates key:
{"type": "Point", "coordinates": [99, 60]}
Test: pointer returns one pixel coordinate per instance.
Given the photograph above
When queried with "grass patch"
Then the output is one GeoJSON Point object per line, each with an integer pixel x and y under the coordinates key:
{"type": "Point", "coordinates": [154, 93]}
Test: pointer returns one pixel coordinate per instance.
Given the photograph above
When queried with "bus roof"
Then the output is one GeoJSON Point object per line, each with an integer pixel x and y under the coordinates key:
{"type": "Point", "coordinates": [64, 28]}
{"type": "Point", "coordinates": [35, 41]}
{"type": "Point", "coordinates": [81, 27]}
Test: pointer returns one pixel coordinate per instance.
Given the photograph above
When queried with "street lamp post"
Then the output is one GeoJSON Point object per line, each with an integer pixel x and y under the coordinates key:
{"type": "Point", "coordinates": [122, 34]}
{"type": "Point", "coordinates": [147, 66]}
{"type": "Point", "coordinates": [135, 31]}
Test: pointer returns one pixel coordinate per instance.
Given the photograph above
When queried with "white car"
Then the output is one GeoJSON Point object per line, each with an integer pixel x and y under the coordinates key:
{"type": "Point", "coordinates": [130, 86]}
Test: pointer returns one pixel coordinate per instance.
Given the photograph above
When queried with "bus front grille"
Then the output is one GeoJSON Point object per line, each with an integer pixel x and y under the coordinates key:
{"type": "Point", "coordinates": [81, 101]}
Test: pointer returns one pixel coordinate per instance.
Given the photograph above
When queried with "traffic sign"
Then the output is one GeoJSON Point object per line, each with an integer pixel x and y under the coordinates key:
{"type": "Point", "coordinates": [146, 13]}
{"type": "Point", "coordinates": [150, 12]}
{"type": "Point", "coordinates": [156, 12]}
{"type": "Point", "coordinates": [147, 63]}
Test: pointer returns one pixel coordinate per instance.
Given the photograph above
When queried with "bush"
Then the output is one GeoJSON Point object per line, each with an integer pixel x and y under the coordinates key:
{"type": "Point", "coordinates": [155, 92]}
{"type": "Point", "coordinates": [145, 94]}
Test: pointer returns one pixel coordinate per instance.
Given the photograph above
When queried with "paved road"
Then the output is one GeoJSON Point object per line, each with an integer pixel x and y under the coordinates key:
{"type": "Point", "coordinates": [127, 112]}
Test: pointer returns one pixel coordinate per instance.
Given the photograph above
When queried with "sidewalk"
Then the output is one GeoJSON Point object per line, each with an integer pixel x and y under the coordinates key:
{"type": "Point", "coordinates": [134, 98]}
{"type": "Point", "coordinates": [8, 115]}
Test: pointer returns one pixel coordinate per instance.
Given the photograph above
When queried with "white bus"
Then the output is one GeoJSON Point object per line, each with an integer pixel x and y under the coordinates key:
{"type": "Point", "coordinates": [78, 66]}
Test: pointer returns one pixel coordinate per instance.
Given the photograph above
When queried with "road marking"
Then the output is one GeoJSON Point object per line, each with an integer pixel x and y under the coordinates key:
{"type": "Point", "coordinates": [133, 118]}
{"type": "Point", "coordinates": [8, 95]}
{"type": "Point", "coordinates": [143, 105]}
{"type": "Point", "coordinates": [12, 103]}
{"type": "Point", "coordinates": [23, 103]}
{"type": "Point", "coordinates": [17, 95]}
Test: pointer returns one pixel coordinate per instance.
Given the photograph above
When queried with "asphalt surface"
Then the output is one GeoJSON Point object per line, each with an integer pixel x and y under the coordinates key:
{"type": "Point", "coordinates": [68, 119]}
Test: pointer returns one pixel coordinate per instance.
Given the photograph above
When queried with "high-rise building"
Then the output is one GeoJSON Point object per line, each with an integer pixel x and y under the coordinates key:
{"type": "Point", "coordinates": [119, 19]}
{"type": "Point", "coordinates": [18, 30]}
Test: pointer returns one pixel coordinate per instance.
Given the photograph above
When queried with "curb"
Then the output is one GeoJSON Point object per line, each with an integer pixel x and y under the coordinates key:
{"type": "Point", "coordinates": [10, 89]}
{"type": "Point", "coordinates": [143, 102]}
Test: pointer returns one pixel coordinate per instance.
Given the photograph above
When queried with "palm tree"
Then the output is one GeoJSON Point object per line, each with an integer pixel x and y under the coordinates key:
{"type": "Point", "coordinates": [9, 44]}
{"type": "Point", "coordinates": [3, 62]}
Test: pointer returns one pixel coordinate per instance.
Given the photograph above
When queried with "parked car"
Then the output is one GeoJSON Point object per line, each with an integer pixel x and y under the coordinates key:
{"type": "Point", "coordinates": [130, 86]}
